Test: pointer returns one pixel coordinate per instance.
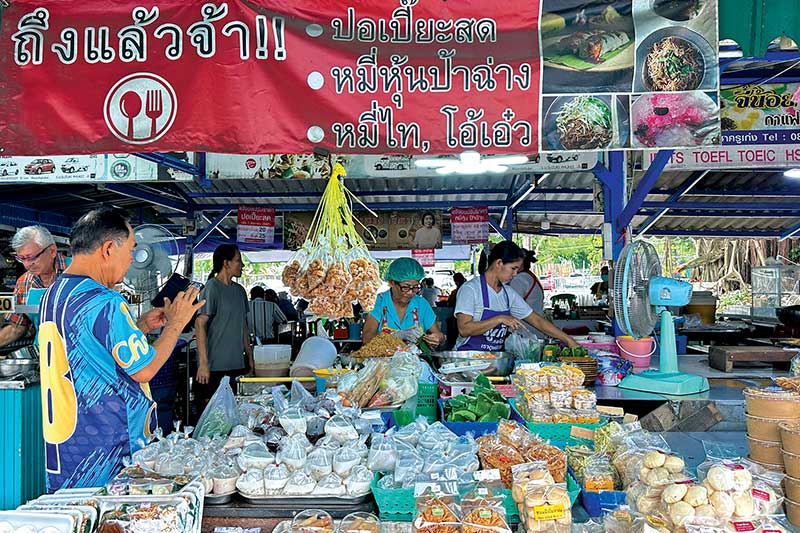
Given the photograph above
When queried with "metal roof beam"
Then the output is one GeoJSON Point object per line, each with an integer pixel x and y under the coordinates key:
{"type": "Point", "coordinates": [687, 185]}
{"type": "Point", "coordinates": [678, 213]}
{"type": "Point", "coordinates": [311, 194]}
{"type": "Point", "coordinates": [724, 206]}
{"type": "Point", "coordinates": [789, 233]}
{"type": "Point", "coordinates": [644, 187]}
{"type": "Point", "coordinates": [211, 227]}
{"type": "Point", "coordinates": [558, 206]}
{"type": "Point", "coordinates": [133, 192]}
{"type": "Point", "coordinates": [671, 233]}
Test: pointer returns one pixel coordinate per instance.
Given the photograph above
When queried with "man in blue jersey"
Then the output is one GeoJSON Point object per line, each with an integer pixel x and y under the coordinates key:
{"type": "Point", "coordinates": [95, 359]}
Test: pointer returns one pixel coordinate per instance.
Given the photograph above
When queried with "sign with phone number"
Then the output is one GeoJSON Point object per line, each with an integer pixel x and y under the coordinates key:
{"type": "Point", "coordinates": [7, 302]}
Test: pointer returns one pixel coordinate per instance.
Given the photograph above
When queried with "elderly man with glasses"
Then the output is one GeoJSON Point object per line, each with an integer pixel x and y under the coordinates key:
{"type": "Point", "coordinates": [401, 307]}
{"type": "Point", "coordinates": [35, 248]}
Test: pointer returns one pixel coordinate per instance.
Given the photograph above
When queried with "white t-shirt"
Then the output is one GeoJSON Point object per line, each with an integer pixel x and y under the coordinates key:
{"type": "Point", "coordinates": [426, 238]}
{"type": "Point", "coordinates": [524, 283]}
{"type": "Point", "coordinates": [470, 302]}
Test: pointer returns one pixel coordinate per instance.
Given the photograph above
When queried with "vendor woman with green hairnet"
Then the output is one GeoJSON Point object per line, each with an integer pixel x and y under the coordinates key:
{"type": "Point", "coordinates": [400, 307]}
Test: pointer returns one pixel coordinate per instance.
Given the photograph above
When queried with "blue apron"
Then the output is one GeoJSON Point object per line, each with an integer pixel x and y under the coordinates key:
{"type": "Point", "coordinates": [493, 339]}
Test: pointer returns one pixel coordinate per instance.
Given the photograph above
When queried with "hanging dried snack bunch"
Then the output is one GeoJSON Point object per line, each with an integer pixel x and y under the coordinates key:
{"type": "Point", "coordinates": [333, 268]}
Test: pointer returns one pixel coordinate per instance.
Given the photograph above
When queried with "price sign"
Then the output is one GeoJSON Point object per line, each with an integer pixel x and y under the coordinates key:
{"type": "Point", "coordinates": [8, 302]}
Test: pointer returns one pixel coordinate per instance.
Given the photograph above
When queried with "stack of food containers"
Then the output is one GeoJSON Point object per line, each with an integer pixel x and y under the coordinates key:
{"type": "Point", "coordinates": [790, 445]}
{"type": "Point", "coordinates": [767, 408]}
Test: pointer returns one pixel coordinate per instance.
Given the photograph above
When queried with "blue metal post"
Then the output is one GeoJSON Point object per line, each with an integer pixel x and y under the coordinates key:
{"type": "Point", "coordinates": [613, 180]}
{"type": "Point", "coordinates": [643, 188]}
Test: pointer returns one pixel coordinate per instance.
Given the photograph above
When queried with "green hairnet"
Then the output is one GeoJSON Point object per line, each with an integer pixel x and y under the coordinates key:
{"type": "Point", "coordinates": [405, 269]}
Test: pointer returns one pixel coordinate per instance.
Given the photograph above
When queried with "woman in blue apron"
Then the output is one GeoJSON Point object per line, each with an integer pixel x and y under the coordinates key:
{"type": "Point", "coordinates": [487, 311]}
{"type": "Point", "coordinates": [401, 307]}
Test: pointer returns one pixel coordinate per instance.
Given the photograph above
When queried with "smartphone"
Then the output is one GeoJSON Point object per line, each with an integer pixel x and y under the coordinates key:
{"type": "Point", "coordinates": [175, 284]}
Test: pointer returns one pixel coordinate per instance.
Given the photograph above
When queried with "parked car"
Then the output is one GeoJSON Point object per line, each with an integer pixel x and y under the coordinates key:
{"type": "Point", "coordinates": [9, 168]}
{"type": "Point", "coordinates": [73, 164]}
{"type": "Point", "coordinates": [37, 166]}
{"type": "Point", "coordinates": [393, 162]}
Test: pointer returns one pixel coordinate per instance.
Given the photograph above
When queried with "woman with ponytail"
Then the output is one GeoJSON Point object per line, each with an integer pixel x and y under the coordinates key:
{"type": "Point", "coordinates": [223, 338]}
{"type": "Point", "coordinates": [487, 311]}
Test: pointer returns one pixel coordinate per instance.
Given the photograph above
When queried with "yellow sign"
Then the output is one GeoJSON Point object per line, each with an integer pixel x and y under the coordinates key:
{"type": "Point", "coordinates": [549, 512]}
{"type": "Point", "coordinates": [7, 302]}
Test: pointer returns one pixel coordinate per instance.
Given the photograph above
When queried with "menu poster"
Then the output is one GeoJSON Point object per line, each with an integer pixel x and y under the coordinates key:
{"type": "Point", "coordinates": [390, 230]}
{"type": "Point", "coordinates": [629, 74]}
{"type": "Point", "coordinates": [469, 225]}
{"type": "Point", "coordinates": [426, 258]}
{"type": "Point", "coordinates": [760, 114]}
{"type": "Point", "coordinates": [255, 225]}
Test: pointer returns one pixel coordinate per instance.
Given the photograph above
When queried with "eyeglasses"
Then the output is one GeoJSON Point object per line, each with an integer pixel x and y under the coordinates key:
{"type": "Point", "coordinates": [31, 258]}
{"type": "Point", "coordinates": [409, 288]}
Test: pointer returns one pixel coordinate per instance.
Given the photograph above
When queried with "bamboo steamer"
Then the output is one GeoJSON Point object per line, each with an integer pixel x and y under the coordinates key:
{"type": "Point", "coordinates": [764, 428]}
{"type": "Point", "coordinates": [792, 511]}
{"type": "Point", "coordinates": [765, 451]}
{"type": "Point", "coordinates": [772, 402]}
{"type": "Point", "coordinates": [791, 461]}
{"type": "Point", "coordinates": [790, 436]}
{"type": "Point", "coordinates": [770, 466]}
{"type": "Point", "coordinates": [792, 488]}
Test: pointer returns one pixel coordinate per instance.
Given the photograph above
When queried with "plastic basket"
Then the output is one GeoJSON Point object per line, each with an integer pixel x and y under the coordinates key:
{"type": "Point", "coordinates": [554, 432]}
{"type": "Point", "coordinates": [462, 428]}
{"type": "Point", "coordinates": [398, 505]}
{"type": "Point", "coordinates": [599, 503]}
{"type": "Point", "coordinates": [423, 404]}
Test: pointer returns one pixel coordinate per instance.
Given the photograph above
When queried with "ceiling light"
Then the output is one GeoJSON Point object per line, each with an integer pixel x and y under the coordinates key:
{"type": "Point", "coordinates": [792, 173]}
{"type": "Point", "coordinates": [471, 162]}
{"type": "Point", "coordinates": [545, 225]}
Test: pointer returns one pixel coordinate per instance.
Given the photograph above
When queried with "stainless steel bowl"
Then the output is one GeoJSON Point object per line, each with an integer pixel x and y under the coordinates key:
{"type": "Point", "coordinates": [710, 72]}
{"type": "Point", "coordinates": [502, 362]}
{"type": "Point", "coordinates": [13, 367]}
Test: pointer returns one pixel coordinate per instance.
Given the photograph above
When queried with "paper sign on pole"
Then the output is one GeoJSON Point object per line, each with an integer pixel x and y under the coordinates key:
{"type": "Point", "coordinates": [255, 225]}
{"type": "Point", "coordinates": [469, 225]}
{"type": "Point", "coordinates": [425, 257]}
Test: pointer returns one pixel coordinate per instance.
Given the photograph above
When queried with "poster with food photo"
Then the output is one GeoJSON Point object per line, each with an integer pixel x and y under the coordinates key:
{"type": "Point", "coordinates": [585, 122]}
{"type": "Point", "coordinates": [587, 46]}
{"type": "Point", "coordinates": [675, 119]}
{"type": "Point", "coordinates": [677, 45]}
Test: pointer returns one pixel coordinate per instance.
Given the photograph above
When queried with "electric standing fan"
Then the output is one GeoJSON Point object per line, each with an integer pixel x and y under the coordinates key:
{"type": "Point", "coordinates": [155, 259]}
{"type": "Point", "coordinates": [641, 295]}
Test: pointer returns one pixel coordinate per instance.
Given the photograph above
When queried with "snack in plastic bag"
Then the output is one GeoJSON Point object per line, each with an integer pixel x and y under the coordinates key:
{"type": "Point", "coordinates": [255, 456]}
{"type": "Point", "coordinates": [435, 515]}
{"type": "Point", "coordinates": [382, 454]}
{"type": "Point", "coordinates": [293, 420]}
{"type": "Point", "coordinates": [548, 509]}
{"type": "Point", "coordinates": [312, 521]}
{"type": "Point", "coordinates": [220, 415]}
{"type": "Point", "coordinates": [299, 484]}
{"type": "Point", "coordinates": [275, 478]}
{"type": "Point", "coordinates": [344, 460]}
{"type": "Point", "coordinates": [319, 464]}
{"type": "Point", "coordinates": [292, 454]}
{"type": "Point", "coordinates": [330, 485]}
{"type": "Point", "coordinates": [341, 429]}
{"type": "Point", "coordinates": [484, 519]}
{"type": "Point", "coordinates": [251, 483]}
{"type": "Point", "coordinates": [359, 481]}
{"type": "Point", "coordinates": [526, 474]}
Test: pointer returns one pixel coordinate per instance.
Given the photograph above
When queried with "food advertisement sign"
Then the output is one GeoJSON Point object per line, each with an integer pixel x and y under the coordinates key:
{"type": "Point", "coordinates": [760, 114]}
{"type": "Point", "coordinates": [255, 225]}
{"type": "Point", "coordinates": [298, 166]}
{"type": "Point", "coordinates": [469, 225]}
{"type": "Point", "coordinates": [84, 169]}
{"type": "Point", "coordinates": [391, 230]}
{"type": "Point", "coordinates": [369, 77]}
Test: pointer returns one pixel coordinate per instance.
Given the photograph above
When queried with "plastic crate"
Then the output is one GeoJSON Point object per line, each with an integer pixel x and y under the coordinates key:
{"type": "Point", "coordinates": [475, 428]}
{"type": "Point", "coordinates": [599, 503]}
{"type": "Point", "coordinates": [554, 432]}
{"type": "Point", "coordinates": [423, 404]}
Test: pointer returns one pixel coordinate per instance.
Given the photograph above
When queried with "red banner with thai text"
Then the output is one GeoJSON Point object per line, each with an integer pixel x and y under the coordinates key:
{"type": "Point", "coordinates": [412, 76]}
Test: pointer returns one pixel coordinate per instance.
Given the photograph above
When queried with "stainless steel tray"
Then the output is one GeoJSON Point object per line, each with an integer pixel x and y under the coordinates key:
{"type": "Point", "coordinates": [293, 503]}
{"type": "Point", "coordinates": [219, 499]}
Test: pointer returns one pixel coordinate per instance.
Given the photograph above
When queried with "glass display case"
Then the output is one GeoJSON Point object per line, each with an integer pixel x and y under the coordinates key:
{"type": "Point", "coordinates": [774, 286]}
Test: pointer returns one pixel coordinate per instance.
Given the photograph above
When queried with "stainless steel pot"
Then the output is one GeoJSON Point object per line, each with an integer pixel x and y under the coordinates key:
{"type": "Point", "coordinates": [13, 367]}
{"type": "Point", "coordinates": [502, 362]}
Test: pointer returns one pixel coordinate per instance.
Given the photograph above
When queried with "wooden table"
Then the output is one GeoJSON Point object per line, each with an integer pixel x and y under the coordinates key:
{"type": "Point", "coordinates": [724, 357]}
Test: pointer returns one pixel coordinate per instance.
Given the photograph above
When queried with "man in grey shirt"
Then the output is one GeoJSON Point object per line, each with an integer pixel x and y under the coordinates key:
{"type": "Point", "coordinates": [222, 333]}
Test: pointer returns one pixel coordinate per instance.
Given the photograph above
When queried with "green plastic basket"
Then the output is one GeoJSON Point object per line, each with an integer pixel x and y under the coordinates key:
{"type": "Point", "coordinates": [554, 432]}
{"type": "Point", "coordinates": [397, 505]}
{"type": "Point", "coordinates": [423, 404]}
